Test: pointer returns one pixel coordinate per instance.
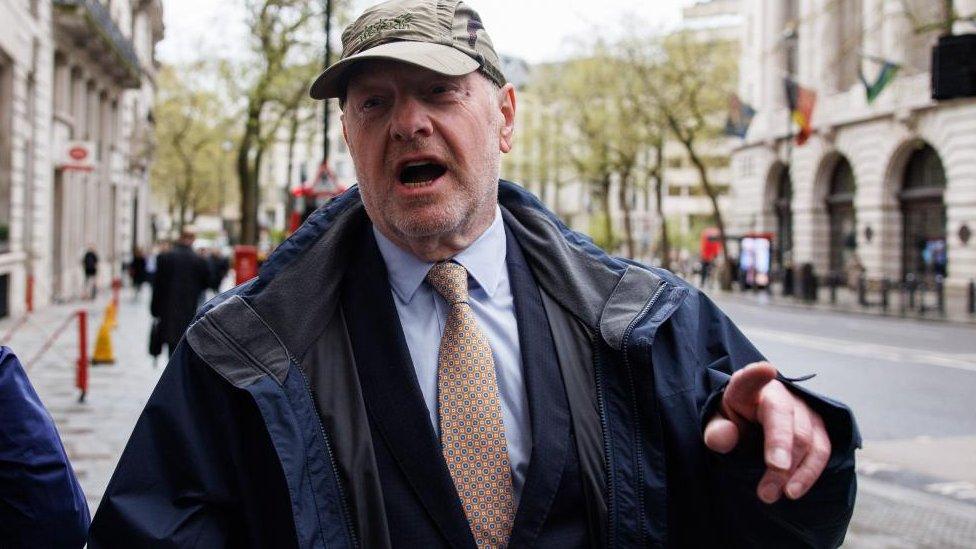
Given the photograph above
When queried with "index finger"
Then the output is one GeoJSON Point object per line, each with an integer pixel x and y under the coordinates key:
{"type": "Point", "coordinates": [775, 413]}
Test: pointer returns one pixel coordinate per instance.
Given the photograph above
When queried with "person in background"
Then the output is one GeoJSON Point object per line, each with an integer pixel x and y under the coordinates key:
{"type": "Point", "coordinates": [138, 272]}
{"type": "Point", "coordinates": [41, 502]}
{"type": "Point", "coordinates": [90, 264]}
{"type": "Point", "coordinates": [219, 267]}
{"type": "Point", "coordinates": [178, 285]}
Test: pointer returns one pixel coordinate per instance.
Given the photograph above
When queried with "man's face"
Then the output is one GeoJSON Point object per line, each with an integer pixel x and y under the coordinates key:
{"type": "Point", "coordinates": [426, 148]}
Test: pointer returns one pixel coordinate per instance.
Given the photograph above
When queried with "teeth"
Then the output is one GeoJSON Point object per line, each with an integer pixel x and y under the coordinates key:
{"type": "Point", "coordinates": [418, 184]}
{"type": "Point", "coordinates": [417, 163]}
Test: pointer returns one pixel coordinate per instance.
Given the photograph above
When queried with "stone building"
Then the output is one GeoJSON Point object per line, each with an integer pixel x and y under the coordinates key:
{"type": "Point", "coordinates": [73, 72]}
{"type": "Point", "coordinates": [888, 185]}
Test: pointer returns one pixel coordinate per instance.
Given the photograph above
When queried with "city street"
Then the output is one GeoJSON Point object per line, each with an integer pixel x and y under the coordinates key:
{"type": "Point", "coordinates": [910, 383]}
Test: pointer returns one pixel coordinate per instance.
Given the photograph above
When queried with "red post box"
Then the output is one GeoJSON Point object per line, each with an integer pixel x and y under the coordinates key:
{"type": "Point", "coordinates": [245, 263]}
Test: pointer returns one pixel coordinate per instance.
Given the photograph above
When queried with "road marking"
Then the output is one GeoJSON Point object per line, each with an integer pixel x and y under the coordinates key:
{"type": "Point", "coordinates": [958, 490]}
{"type": "Point", "coordinates": [892, 353]}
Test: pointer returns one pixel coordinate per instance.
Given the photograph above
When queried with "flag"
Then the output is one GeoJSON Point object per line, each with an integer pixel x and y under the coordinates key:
{"type": "Point", "coordinates": [740, 116]}
{"type": "Point", "coordinates": [887, 74]}
{"type": "Point", "coordinates": [801, 102]}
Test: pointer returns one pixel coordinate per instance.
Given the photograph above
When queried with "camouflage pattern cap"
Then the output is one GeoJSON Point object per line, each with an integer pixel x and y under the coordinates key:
{"type": "Point", "coordinates": [445, 36]}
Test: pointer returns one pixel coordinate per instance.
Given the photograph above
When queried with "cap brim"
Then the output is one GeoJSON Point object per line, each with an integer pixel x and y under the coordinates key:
{"type": "Point", "coordinates": [435, 57]}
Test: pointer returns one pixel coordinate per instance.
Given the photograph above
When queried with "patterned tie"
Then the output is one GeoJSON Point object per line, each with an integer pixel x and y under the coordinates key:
{"type": "Point", "coordinates": [472, 431]}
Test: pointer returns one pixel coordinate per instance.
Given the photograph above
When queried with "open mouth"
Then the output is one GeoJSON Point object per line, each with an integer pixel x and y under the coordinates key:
{"type": "Point", "coordinates": [420, 174]}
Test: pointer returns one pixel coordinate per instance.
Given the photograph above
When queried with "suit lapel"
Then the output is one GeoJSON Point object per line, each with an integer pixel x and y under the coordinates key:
{"type": "Point", "coordinates": [548, 406]}
{"type": "Point", "coordinates": [391, 391]}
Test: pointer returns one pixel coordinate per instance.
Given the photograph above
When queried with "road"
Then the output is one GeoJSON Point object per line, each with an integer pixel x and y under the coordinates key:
{"type": "Point", "coordinates": [912, 386]}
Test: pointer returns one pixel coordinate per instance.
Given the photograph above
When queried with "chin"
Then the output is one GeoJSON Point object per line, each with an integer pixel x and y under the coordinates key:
{"type": "Point", "coordinates": [425, 226]}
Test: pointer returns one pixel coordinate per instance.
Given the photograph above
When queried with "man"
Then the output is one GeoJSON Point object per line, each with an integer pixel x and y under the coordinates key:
{"type": "Point", "coordinates": [89, 264]}
{"type": "Point", "coordinates": [41, 502]}
{"type": "Point", "coordinates": [434, 360]}
{"type": "Point", "coordinates": [178, 285]}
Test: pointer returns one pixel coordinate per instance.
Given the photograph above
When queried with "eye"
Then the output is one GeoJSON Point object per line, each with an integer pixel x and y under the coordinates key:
{"type": "Point", "coordinates": [370, 103]}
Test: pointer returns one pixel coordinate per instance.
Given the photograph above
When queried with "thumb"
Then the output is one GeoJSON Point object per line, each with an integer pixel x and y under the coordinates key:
{"type": "Point", "coordinates": [721, 435]}
{"type": "Point", "coordinates": [742, 393]}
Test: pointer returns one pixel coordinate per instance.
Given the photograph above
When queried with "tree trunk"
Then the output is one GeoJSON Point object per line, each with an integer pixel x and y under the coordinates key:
{"type": "Point", "coordinates": [624, 185]}
{"type": "Point", "coordinates": [725, 277]}
{"type": "Point", "coordinates": [688, 141]}
{"type": "Point", "coordinates": [664, 249]}
{"type": "Point", "coordinates": [607, 219]}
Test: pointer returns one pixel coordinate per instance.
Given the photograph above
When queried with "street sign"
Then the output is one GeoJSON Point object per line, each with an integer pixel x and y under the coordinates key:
{"type": "Point", "coordinates": [78, 156]}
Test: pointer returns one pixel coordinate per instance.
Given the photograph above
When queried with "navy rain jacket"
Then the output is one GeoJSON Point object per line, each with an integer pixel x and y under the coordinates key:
{"type": "Point", "coordinates": [256, 435]}
{"type": "Point", "coordinates": [41, 503]}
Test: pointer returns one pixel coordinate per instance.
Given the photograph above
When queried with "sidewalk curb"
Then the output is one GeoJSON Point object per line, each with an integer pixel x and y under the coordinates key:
{"type": "Point", "coordinates": [784, 303]}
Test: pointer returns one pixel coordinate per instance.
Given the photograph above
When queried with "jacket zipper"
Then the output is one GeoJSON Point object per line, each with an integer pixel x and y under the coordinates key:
{"type": "Point", "coordinates": [335, 471]}
{"type": "Point", "coordinates": [633, 405]}
{"type": "Point", "coordinates": [607, 448]}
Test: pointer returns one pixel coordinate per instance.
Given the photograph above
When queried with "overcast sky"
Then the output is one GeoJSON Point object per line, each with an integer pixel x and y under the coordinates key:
{"type": "Point", "coordinates": [535, 30]}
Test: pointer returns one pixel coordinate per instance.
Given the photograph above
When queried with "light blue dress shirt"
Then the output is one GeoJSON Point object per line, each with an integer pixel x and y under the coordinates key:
{"type": "Point", "coordinates": [423, 313]}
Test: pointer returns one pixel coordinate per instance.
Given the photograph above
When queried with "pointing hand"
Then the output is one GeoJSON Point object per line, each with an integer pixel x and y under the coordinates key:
{"type": "Point", "coordinates": [796, 445]}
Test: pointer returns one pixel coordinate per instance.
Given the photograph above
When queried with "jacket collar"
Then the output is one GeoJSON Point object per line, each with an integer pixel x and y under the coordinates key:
{"type": "Point", "coordinates": [297, 287]}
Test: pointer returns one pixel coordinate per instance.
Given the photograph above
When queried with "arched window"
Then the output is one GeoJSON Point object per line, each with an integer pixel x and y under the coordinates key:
{"type": "Point", "coordinates": [923, 209]}
{"type": "Point", "coordinates": [783, 248]}
{"type": "Point", "coordinates": [840, 209]}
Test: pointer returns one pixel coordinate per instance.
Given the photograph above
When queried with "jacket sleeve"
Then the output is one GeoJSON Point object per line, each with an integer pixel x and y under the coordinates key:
{"type": "Point", "coordinates": [818, 519]}
{"type": "Point", "coordinates": [41, 502]}
{"type": "Point", "coordinates": [172, 485]}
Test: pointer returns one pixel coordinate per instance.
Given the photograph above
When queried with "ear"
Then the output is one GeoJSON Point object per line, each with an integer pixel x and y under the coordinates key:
{"type": "Point", "coordinates": [345, 135]}
{"type": "Point", "coordinates": [506, 106]}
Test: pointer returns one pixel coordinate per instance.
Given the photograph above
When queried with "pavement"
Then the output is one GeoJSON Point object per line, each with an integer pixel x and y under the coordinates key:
{"type": "Point", "coordinates": [911, 385]}
{"type": "Point", "coordinates": [95, 431]}
{"type": "Point", "coordinates": [924, 305]}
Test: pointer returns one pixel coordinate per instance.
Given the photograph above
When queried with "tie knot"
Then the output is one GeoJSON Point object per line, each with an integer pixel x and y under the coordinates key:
{"type": "Point", "coordinates": [450, 280]}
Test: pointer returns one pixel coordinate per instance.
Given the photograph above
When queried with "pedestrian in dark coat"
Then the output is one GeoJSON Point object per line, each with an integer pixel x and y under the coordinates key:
{"type": "Point", "coordinates": [178, 285]}
{"type": "Point", "coordinates": [137, 271]}
{"type": "Point", "coordinates": [89, 262]}
{"type": "Point", "coordinates": [41, 502]}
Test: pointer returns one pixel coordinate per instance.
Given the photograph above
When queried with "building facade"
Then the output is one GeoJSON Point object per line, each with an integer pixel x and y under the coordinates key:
{"type": "Point", "coordinates": [885, 186]}
{"type": "Point", "coordinates": [73, 73]}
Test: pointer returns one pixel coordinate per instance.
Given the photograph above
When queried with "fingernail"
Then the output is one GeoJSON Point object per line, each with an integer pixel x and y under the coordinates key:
{"type": "Point", "coordinates": [794, 489]}
{"type": "Point", "coordinates": [768, 492]}
{"type": "Point", "coordinates": [779, 458]}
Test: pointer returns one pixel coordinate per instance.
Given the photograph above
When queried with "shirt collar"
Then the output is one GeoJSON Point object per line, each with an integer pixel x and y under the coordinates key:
{"type": "Point", "coordinates": [407, 272]}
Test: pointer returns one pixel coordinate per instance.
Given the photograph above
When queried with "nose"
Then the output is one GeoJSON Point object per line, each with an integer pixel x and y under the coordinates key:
{"type": "Point", "coordinates": [410, 120]}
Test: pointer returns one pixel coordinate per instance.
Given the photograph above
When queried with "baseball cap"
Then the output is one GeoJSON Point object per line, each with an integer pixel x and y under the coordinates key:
{"type": "Point", "coordinates": [445, 36]}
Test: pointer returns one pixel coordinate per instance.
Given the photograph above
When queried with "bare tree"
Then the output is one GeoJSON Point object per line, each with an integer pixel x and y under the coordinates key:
{"type": "Point", "coordinates": [190, 129]}
{"type": "Point", "coordinates": [283, 38]}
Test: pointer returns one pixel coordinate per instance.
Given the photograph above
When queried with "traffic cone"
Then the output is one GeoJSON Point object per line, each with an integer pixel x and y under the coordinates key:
{"type": "Point", "coordinates": [111, 316]}
{"type": "Point", "coordinates": [103, 345]}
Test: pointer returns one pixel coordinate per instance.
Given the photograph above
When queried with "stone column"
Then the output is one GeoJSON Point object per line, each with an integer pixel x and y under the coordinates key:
{"type": "Point", "coordinates": [965, 8]}
{"type": "Point", "coordinates": [774, 56]}
{"type": "Point", "coordinates": [828, 41]}
{"type": "Point", "coordinates": [896, 30]}
{"type": "Point", "coordinates": [872, 41]}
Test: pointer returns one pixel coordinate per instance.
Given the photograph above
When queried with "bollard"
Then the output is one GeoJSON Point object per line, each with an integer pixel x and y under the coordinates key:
{"type": "Point", "coordinates": [833, 280]}
{"type": "Point", "coordinates": [862, 290]}
{"type": "Point", "coordinates": [30, 293]}
{"type": "Point", "coordinates": [972, 297]}
{"type": "Point", "coordinates": [885, 286]}
{"type": "Point", "coordinates": [912, 286]}
{"type": "Point", "coordinates": [116, 288]}
{"type": "Point", "coordinates": [940, 294]}
{"type": "Point", "coordinates": [81, 379]}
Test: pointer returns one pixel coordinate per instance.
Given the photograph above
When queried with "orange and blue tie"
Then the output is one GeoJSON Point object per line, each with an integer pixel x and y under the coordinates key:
{"type": "Point", "coordinates": [472, 429]}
